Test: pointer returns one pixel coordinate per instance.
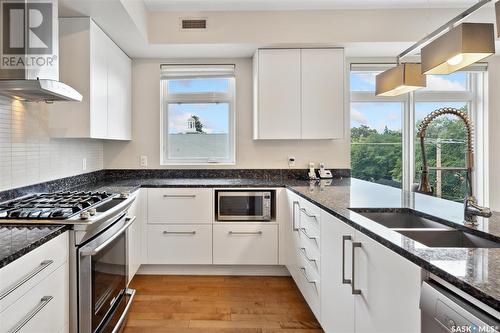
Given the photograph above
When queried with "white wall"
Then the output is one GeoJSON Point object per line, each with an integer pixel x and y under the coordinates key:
{"type": "Point", "coordinates": [29, 156]}
{"type": "Point", "coordinates": [494, 133]}
{"type": "Point", "coordinates": [249, 153]}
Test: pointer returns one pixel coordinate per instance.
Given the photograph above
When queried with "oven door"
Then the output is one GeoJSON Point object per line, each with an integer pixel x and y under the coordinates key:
{"type": "Point", "coordinates": [243, 206]}
{"type": "Point", "coordinates": [102, 279]}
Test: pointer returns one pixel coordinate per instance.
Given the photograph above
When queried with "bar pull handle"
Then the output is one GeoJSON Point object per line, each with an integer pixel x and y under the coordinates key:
{"type": "Point", "coordinates": [43, 265]}
{"type": "Point", "coordinates": [179, 232]}
{"type": "Point", "coordinates": [304, 272]}
{"type": "Point", "coordinates": [179, 196]}
{"type": "Point", "coordinates": [43, 302]}
{"type": "Point", "coordinates": [304, 231]}
{"type": "Point", "coordinates": [344, 280]}
{"type": "Point", "coordinates": [245, 232]}
{"type": "Point", "coordinates": [354, 290]}
{"type": "Point", "coordinates": [295, 203]}
{"type": "Point", "coordinates": [93, 251]}
{"type": "Point", "coordinates": [314, 216]}
{"type": "Point", "coordinates": [304, 252]}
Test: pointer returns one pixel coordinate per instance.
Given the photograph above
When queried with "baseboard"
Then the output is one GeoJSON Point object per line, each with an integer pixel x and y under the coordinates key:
{"type": "Point", "coordinates": [248, 270]}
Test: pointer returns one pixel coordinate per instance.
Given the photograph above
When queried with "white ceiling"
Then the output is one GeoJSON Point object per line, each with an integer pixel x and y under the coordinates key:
{"type": "Point", "coordinates": [244, 5]}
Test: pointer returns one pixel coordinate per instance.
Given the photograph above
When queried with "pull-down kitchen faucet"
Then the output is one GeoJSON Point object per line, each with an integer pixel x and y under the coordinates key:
{"type": "Point", "coordinates": [471, 208]}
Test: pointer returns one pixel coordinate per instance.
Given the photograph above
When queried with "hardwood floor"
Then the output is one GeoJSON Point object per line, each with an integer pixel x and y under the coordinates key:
{"type": "Point", "coordinates": [218, 304]}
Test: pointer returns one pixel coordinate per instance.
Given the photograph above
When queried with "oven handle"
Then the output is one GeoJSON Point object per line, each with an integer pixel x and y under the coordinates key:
{"type": "Point", "coordinates": [96, 250]}
{"type": "Point", "coordinates": [119, 323]}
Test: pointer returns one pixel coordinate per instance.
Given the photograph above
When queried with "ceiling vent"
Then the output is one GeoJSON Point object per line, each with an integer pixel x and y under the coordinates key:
{"type": "Point", "coordinates": [193, 24]}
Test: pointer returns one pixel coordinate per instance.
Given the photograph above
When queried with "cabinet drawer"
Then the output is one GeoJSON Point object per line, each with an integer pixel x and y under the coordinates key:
{"type": "Point", "coordinates": [47, 305]}
{"type": "Point", "coordinates": [18, 277]}
{"type": "Point", "coordinates": [179, 244]}
{"type": "Point", "coordinates": [309, 285]}
{"type": "Point", "coordinates": [307, 237]}
{"type": "Point", "coordinates": [246, 244]}
{"type": "Point", "coordinates": [309, 215]}
{"type": "Point", "coordinates": [180, 205]}
{"type": "Point", "coordinates": [309, 255]}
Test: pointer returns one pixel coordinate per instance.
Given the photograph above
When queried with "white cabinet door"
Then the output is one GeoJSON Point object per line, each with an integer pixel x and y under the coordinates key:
{"type": "Point", "coordinates": [180, 205]}
{"type": "Point", "coordinates": [45, 309]}
{"type": "Point", "coordinates": [245, 244]}
{"type": "Point", "coordinates": [99, 44]}
{"type": "Point", "coordinates": [179, 244]}
{"type": "Point", "coordinates": [390, 289]}
{"type": "Point", "coordinates": [337, 301]}
{"type": "Point", "coordinates": [322, 93]}
{"type": "Point", "coordinates": [134, 236]}
{"type": "Point", "coordinates": [278, 105]}
{"type": "Point", "coordinates": [119, 97]}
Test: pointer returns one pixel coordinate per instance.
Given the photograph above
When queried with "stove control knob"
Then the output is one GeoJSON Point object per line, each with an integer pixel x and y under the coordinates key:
{"type": "Point", "coordinates": [92, 211]}
{"type": "Point", "coordinates": [124, 195]}
{"type": "Point", "coordinates": [84, 215]}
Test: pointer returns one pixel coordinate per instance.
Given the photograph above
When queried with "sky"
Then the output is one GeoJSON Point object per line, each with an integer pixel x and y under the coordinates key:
{"type": "Point", "coordinates": [380, 114]}
{"type": "Point", "coordinates": [213, 116]}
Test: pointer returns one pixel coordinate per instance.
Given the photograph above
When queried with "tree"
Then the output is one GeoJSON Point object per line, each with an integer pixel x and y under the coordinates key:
{"type": "Point", "coordinates": [377, 157]}
{"type": "Point", "coordinates": [198, 124]}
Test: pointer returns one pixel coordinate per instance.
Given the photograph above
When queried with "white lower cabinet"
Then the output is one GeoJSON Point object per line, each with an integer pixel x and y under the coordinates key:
{"type": "Point", "coordinates": [245, 244]}
{"type": "Point", "coordinates": [181, 244]}
{"type": "Point", "coordinates": [390, 289]}
{"type": "Point", "coordinates": [380, 295]}
{"type": "Point", "coordinates": [134, 235]}
{"type": "Point", "coordinates": [40, 303]}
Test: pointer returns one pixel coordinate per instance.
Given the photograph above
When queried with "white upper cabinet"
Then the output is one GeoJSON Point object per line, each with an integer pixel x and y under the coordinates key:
{"type": "Point", "coordinates": [94, 65]}
{"type": "Point", "coordinates": [299, 93]}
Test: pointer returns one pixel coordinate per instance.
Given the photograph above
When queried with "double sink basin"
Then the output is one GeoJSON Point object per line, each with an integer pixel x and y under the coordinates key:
{"type": "Point", "coordinates": [424, 230]}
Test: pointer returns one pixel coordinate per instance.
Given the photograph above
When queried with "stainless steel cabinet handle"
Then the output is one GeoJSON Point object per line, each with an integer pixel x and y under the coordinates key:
{"type": "Point", "coordinates": [179, 232]}
{"type": "Point", "coordinates": [245, 232]}
{"type": "Point", "coordinates": [118, 326]}
{"type": "Point", "coordinates": [308, 214]}
{"type": "Point", "coordinates": [344, 280]}
{"type": "Point", "coordinates": [96, 250]}
{"type": "Point", "coordinates": [304, 231]}
{"type": "Point", "coordinates": [354, 290]}
{"type": "Point", "coordinates": [180, 196]}
{"type": "Point", "coordinates": [295, 203]}
{"type": "Point", "coordinates": [304, 252]}
{"type": "Point", "coordinates": [43, 302]}
{"type": "Point", "coordinates": [44, 264]}
{"type": "Point", "coordinates": [304, 272]}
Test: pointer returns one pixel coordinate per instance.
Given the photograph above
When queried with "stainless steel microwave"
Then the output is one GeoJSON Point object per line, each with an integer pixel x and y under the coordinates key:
{"type": "Point", "coordinates": [244, 205]}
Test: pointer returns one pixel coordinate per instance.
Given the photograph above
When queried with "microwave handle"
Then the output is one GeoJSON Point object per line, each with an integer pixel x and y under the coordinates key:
{"type": "Point", "coordinates": [96, 250]}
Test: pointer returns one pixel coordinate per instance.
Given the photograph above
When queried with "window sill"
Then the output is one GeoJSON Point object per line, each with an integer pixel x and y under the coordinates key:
{"type": "Point", "coordinates": [198, 164]}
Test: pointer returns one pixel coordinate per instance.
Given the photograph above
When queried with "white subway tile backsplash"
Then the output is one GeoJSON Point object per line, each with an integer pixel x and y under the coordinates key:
{"type": "Point", "coordinates": [27, 153]}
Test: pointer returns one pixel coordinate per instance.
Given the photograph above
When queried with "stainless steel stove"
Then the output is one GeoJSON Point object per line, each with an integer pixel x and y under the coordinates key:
{"type": "Point", "coordinates": [99, 295]}
{"type": "Point", "coordinates": [52, 206]}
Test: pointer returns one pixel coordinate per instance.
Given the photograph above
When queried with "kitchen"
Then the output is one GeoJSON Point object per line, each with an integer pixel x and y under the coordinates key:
{"type": "Point", "coordinates": [249, 166]}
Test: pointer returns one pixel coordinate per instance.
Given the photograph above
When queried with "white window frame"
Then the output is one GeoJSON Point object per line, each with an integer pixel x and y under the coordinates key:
{"type": "Point", "coordinates": [477, 109]}
{"type": "Point", "coordinates": [194, 98]}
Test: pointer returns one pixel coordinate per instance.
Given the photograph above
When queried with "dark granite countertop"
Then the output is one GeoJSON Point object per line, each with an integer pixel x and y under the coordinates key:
{"type": "Point", "coordinates": [475, 271]}
{"type": "Point", "coordinates": [18, 240]}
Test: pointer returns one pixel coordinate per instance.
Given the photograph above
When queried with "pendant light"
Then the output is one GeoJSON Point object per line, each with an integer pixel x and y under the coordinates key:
{"type": "Point", "coordinates": [400, 80]}
{"type": "Point", "coordinates": [460, 47]}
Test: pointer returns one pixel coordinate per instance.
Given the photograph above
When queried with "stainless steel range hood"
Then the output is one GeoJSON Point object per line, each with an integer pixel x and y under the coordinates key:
{"type": "Point", "coordinates": [29, 67]}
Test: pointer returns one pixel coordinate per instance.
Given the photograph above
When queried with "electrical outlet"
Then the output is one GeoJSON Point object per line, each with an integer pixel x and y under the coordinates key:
{"type": "Point", "coordinates": [84, 164]}
{"type": "Point", "coordinates": [144, 161]}
{"type": "Point", "coordinates": [291, 161]}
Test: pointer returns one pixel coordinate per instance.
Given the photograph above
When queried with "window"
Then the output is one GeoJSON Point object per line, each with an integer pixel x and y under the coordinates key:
{"type": "Point", "coordinates": [197, 112]}
{"type": "Point", "coordinates": [384, 146]}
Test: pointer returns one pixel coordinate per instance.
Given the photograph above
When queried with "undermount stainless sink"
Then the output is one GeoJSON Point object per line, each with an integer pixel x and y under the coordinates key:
{"type": "Point", "coordinates": [399, 218]}
{"type": "Point", "coordinates": [448, 238]}
{"type": "Point", "coordinates": [419, 227]}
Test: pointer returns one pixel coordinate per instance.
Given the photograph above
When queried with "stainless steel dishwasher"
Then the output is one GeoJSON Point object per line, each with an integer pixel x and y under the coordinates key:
{"type": "Point", "coordinates": [444, 311]}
